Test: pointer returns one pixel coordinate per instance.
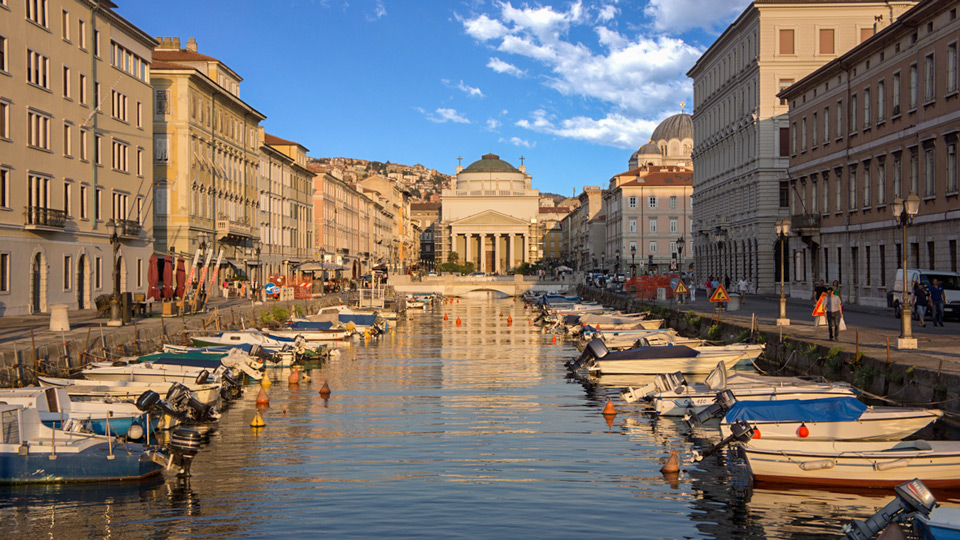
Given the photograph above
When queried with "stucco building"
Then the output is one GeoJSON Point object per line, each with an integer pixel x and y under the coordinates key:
{"type": "Point", "coordinates": [75, 153]}
{"type": "Point", "coordinates": [286, 206]}
{"type": "Point", "coordinates": [877, 123]}
{"type": "Point", "coordinates": [741, 129]}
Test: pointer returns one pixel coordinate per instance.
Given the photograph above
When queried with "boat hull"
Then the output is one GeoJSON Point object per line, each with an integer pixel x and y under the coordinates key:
{"type": "Point", "coordinates": [698, 364]}
{"type": "Point", "coordinates": [88, 465]}
{"type": "Point", "coordinates": [870, 427]}
{"type": "Point", "coordinates": [679, 405]}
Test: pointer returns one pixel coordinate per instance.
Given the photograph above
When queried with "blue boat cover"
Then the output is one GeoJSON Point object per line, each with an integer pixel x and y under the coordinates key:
{"type": "Point", "coordinates": [359, 320]}
{"type": "Point", "coordinates": [835, 409]}
{"type": "Point", "coordinates": [310, 325]}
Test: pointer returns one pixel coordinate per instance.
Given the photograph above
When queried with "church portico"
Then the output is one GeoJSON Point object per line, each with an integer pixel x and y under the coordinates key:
{"type": "Point", "coordinates": [492, 241]}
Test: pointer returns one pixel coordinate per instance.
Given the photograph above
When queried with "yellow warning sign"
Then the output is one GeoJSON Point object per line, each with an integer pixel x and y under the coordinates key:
{"type": "Point", "coordinates": [820, 310]}
{"type": "Point", "coordinates": [720, 295]}
{"type": "Point", "coordinates": [681, 288]}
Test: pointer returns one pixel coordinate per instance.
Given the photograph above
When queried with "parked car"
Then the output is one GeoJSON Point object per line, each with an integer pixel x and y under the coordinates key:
{"type": "Point", "coordinates": [949, 280]}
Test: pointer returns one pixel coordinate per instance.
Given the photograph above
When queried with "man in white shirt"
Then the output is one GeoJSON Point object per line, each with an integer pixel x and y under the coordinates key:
{"type": "Point", "coordinates": [742, 288]}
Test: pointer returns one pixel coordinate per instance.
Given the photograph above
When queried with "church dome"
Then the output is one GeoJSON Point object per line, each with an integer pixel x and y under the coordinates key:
{"type": "Point", "coordinates": [678, 126]}
{"type": "Point", "coordinates": [490, 163]}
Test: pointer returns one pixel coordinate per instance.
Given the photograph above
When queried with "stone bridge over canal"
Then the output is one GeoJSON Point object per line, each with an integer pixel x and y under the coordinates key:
{"type": "Point", "coordinates": [450, 285]}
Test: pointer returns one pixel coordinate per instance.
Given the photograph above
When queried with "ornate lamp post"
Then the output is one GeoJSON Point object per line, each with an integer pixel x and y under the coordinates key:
{"type": "Point", "coordinates": [904, 212]}
{"type": "Point", "coordinates": [115, 318]}
{"type": "Point", "coordinates": [633, 260]}
{"type": "Point", "coordinates": [721, 237]}
{"type": "Point", "coordinates": [616, 268]}
{"type": "Point", "coordinates": [603, 263]}
{"type": "Point", "coordinates": [681, 243]}
{"type": "Point", "coordinates": [782, 228]}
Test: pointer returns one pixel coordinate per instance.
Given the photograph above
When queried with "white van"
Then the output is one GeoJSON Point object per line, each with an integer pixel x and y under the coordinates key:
{"type": "Point", "coordinates": [951, 289]}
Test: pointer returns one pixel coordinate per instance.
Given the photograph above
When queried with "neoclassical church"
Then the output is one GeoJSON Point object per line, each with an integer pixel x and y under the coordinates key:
{"type": "Point", "coordinates": [670, 144]}
{"type": "Point", "coordinates": [489, 217]}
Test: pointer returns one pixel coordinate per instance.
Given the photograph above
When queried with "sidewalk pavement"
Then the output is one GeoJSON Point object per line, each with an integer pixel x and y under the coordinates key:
{"type": "Point", "coordinates": [937, 346]}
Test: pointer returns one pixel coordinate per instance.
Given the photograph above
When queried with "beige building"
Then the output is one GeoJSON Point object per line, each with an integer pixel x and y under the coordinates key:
{"type": "Point", "coordinates": [75, 153]}
{"type": "Point", "coordinates": [741, 129]}
{"type": "Point", "coordinates": [552, 233]}
{"type": "Point", "coordinates": [647, 212]}
{"type": "Point", "coordinates": [427, 216]}
{"type": "Point", "coordinates": [403, 242]}
{"type": "Point", "coordinates": [585, 231]}
{"type": "Point", "coordinates": [490, 217]}
{"type": "Point", "coordinates": [206, 144]}
{"type": "Point", "coordinates": [877, 123]}
{"type": "Point", "coordinates": [294, 191]}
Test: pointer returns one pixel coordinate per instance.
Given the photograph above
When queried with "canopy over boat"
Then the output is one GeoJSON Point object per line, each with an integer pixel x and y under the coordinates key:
{"type": "Point", "coordinates": [835, 409]}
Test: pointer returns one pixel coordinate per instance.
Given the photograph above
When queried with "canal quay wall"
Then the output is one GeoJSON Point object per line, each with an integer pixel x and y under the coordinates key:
{"type": "Point", "coordinates": [891, 375]}
{"type": "Point", "coordinates": [51, 354]}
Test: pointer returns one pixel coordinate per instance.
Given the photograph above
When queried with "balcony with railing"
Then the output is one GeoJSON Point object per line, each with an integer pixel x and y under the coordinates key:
{"type": "Point", "coordinates": [227, 228]}
{"type": "Point", "coordinates": [128, 228]}
{"type": "Point", "coordinates": [40, 218]}
{"type": "Point", "coordinates": [807, 227]}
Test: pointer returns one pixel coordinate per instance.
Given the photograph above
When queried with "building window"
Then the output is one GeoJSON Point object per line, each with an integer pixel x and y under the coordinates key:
{"type": "Point", "coordinates": [914, 172]}
{"type": "Point", "coordinates": [66, 82]}
{"type": "Point", "coordinates": [867, 185]}
{"type": "Point", "coordinates": [83, 89]}
{"type": "Point", "coordinates": [139, 114]}
{"type": "Point", "coordinates": [38, 130]}
{"type": "Point", "coordinates": [68, 199]}
{"type": "Point", "coordinates": [673, 201]}
{"type": "Point", "coordinates": [784, 142]}
{"type": "Point", "coordinates": [914, 82]}
{"type": "Point", "coordinates": [84, 144]}
{"type": "Point", "coordinates": [852, 181]}
{"type": "Point", "coordinates": [120, 205]}
{"type": "Point", "coordinates": [881, 181]}
{"type": "Point", "coordinates": [839, 118]}
{"type": "Point", "coordinates": [852, 110]}
{"type": "Point", "coordinates": [652, 225]}
{"type": "Point", "coordinates": [120, 154]}
{"type": "Point", "coordinates": [866, 33]}
{"type": "Point", "coordinates": [929, 159]}
{"type": "Point", "coordinates": [68, 140]}
{"type": "Point", "coordinates": [4, 272]}
{"type": "Point", "coordinates": [866, 108]}
{"type": "Point", "coordinates": [98, 204]}
{"type": "Point", "coordinates": [632, 225]}
{"type": "Point", "coordinates": [784, 84]}
{"type": "Point", "coordinates": [139, 161]}
{"type": "Point", "coordinates": [652, 247]}
{"type": "Point", "coordinates": [929, 78]}
{"type": "Point", "coordinates": [139, 273]}
{"type": "Point", "coordinates": [119, 106]}
{"type": "Point", "coordinates": [814, 196]}
{"type": "Point", "coordinates": [897, 175]}
{"type": "Point", "coordinates": [38, 69]}
{"type": "Point", "coordinates": [82, 33]}
{"type": "Point", "coordinates": [827, 41]}
{"type": "Point", "coordinates": [652, 202]}
{"type": "Point", "coordinates": [786, 41]}
{"type": "Point", "coordinates": [881, 91]}
{"type": "Point", "coordinates": [4, 188]}
{"type": "Point", "coordinates": [883, 266]}
{"type": "Point", "coordinates": [97, 149]}
{"type": "Point", "coordinates": [98, 272]}
{"type": "Point", "coordinates": [140, 215]}
{"type": "Point", "coordinates": [631, 202]}
{"type": "Point", "coordinates": [895, 96]}
{"type": "Point", "coordinates": [67, 271]}
{"type": "Point", "coordinates": [814, 128]}
{"type": "Point", "coordinates": [826, 125]}
{"type": "Point", "coordinates": [96, 43]}
{"type": "Point", "coordinates": [83, 202]}
{"type": "Point", "coordinates": [96, 95]}
{"type": "Point", "coordinates": [784, 194]}
{"type": "Point", "coordinates": [3, 54]}
{"type": "Point", "coordinates": [838, 191]}
{"type": "Point", "coordinates": [673, 225]}
{"type": "Point", "coordinates": [952, 67]}
{"type": "Point", "coordinates": [952, 166]}
{"type": "Point", "coordinates": [39, 192]}
{"type": "Point", "coordinates": [37, 11]}
{"type": "Point", "coordinates": [4, 120]}
{"type": "Point", "coordinates": [869, 267]}
{"type": "Point", "coordinates": [65, 25]}
{"type": "Point", "coordinates": [803, 134]}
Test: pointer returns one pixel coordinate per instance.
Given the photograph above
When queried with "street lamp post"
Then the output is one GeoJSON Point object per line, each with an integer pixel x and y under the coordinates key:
{"type": "Point", "coordinates": [680, 245]}
{"type": "Point", "coordinates": [633, 260]}
{"type": "Point", "coordinates": [721, 237]}
{"type": "Point", "coordinates": [616, 268]}
{"type": "Point", "coordinates": [115, 317]}
{"type": "Point", "coordinates": [782, 228]}
{"type": "Point", "coordinates": [603, 263]}
{"type": "Point", "coordinates": [904, 212]}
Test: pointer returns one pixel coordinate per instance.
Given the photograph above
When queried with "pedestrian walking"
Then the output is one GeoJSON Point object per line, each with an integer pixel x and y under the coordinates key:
{"type": "Point", "coordinates": [693, 289]}
{"type": "Point", "coordinates": [921, 301]}
{"type": "Point", "coordinates": [226, 288]}
{"type": "Point", "coordinates": [836, 289]}
{"type": "Point", "coordinates": [708, 286]}
{"type": "Point", "coordinates": [936, 301]}
{"type": "Point", "coordinates": [834, 314]}
{"type": "Point", "coordinates": [742, 288]}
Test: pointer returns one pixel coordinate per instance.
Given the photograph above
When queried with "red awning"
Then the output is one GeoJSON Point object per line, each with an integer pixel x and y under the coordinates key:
{"type": "Point", "coordinates": [168, 277]}
{"type": "Point", "coordinates": [153, 275]}
{"type": "Point", "coordinates": [181, 278]}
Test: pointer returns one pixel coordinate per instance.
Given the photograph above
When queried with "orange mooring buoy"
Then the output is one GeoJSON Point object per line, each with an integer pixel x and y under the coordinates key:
{"type": "Point", "coordinates": [458, 300]}
{"type": "Point", "coordinates": [294, 377]}
{"type": "Point", "coordinates": [445, 317]}
{"type": "Point", "coordinates": [458, 321]}
{"type": "Point", "coordinates": [325, 389]}
{"type": "Point", "coordinates": [554, 339]}
{"type": "Point", "coordinates": [284, 410]}
{"type": "Point", "coordinates": [608, 410]}
{"type": "Point", "coordinates": [672, 466]}
{"type": "Point", "coordinates": [509, 320]}
{"type": "Point", "coordinates": [262, 397]}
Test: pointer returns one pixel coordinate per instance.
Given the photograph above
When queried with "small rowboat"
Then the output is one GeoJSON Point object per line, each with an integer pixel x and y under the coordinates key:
{"type": "Point", "coordinates": [830, 419]}
{"type": "Point", "coordinates": [854, 463]}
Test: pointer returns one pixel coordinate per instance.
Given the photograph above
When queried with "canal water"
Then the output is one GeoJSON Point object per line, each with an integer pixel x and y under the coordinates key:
{"type": "Point", "coordinates": [440, 431]}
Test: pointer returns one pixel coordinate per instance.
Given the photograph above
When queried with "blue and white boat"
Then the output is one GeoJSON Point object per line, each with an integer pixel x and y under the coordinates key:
{"type": "Point", "coordinates": [31, 452]}
{"type": "Point", "coordinates": [56, 410]}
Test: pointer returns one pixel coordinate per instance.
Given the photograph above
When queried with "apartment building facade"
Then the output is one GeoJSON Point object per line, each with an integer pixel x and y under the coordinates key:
{"type": "Point", "coordinates": [741, 129]}
{"type": "Point", "coordinates": [75, 154]}
{"type": "Point", "coordinates": [880, 122]}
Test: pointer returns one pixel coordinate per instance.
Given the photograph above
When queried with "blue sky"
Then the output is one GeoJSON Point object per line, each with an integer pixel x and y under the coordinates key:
{"type": "Point", "coordinates": [574, 87]}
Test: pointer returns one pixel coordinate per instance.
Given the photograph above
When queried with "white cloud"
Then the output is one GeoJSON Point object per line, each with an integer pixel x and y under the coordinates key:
{"type": "Point", "coordinates": [607, 13]}
{"type": "Point", "coordinates": [674, 16]}
{"type": "Point", "coordinates": [517, 141]}
{"type": "Point", "coordinates": [443, 115]}
{"type": "Point", "coordinates": [484, 28]}
{"type": "Point", "coordinates": [500, 66]}
{"type": "Point", "coordinates": [493, 124]}
{"type": "Point", "coordinates": [380, 11]}
{"type": "Point", "coordinates": [469, 90]}
{"type": "Point", "coordinates": [613, 130]}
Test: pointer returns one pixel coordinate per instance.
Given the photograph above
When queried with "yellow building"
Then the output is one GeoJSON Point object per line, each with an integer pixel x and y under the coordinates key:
{"type": "Point", "coordinates": [295, 190]}
{"type": "Point", "coordinates": [206, 155]}
{"type": "Point", "coordinates": [75, 150]}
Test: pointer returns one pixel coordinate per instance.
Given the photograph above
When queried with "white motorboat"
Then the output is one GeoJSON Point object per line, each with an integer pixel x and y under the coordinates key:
{"type": "Point", "coordinates": [597, 359]}
{"type": "Point", "coordinates": [249, 336]}
{"type": "Point", "coordinates": [828, 419]}
{"type": "Point", "coordinates": [56, 410]}
{"type": "Point", "coordinates": [208, 394]}
{"type": "Point", "coordinates": [853, 464]}
{"type": "Point", "coordinates": [144, 373]}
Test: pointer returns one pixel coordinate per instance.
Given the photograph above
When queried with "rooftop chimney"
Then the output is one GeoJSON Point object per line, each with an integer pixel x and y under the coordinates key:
{"type": "Point", "coordinates": [192, 44]}
{"type": "Point", "coordinates": [176, 43]}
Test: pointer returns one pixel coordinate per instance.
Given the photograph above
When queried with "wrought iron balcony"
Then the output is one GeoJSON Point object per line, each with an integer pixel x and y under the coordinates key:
{"type": "Point", "coordinates": [805, 224]}
{"type": "Point", "coordinates": [226, 227]}
{"type": "Point", "coordinates": [39, 217]}
{"type": "Point", "coordinates": [128, 228]}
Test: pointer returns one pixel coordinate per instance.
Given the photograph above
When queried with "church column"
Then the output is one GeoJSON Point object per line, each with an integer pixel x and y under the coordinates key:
{"type": "Point", "coordinates": [496, 253]}
{"type": "Point", "coordinates": [508, 251]}
{"type": "Point", "coordinates": [466, 256]}
{"type": "Point", "coordinates": [526, 248]}
{"type": "Point", "coordinates": [482, 262]}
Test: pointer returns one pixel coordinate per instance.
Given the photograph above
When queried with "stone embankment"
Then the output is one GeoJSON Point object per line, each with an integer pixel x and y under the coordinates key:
{"type": "Point", "coordinates": [23, 360]}
{"type": "Point", "coordinates": [897, 381]}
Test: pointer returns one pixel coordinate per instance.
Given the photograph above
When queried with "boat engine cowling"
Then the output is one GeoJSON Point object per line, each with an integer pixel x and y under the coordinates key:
{"type": "Point", "coordinates": [203, 377]}
{"type": "Point", "coordinates": [724, 400]}
{"type": "Point", "coordinates": [912, 498]}
{"type": "Point", "coordinates": [182, 398]}
{"type": "Point", "coordinates": [595, 349]}
{"type": "Point", "coordinates": [185, 445]}
{"type": "Point", "coordinates": [150, 402]}
{"type": "Point", "coordinates": [740, 431]}
{"type": "Point", "coordinates": [230, 387]}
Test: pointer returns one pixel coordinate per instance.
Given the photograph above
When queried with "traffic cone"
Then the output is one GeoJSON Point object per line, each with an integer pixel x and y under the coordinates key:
{"type": "Point", "coordinates": [262, 397]}
{"type": "Point", "coordinates": [608, 410]}
{"type": "Point", "coordinates": [325, 389]}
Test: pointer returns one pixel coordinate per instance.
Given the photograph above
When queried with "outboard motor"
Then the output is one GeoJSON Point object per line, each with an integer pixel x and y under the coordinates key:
{"type": "Point", "coordinates": [180, 397]}
{"type": "Point", "coordinates": [185, 444]}
{"type": "Point", "coordinates": [230, 387]}
{"type": "Point", "coordinates": [912, 498]}
{"type": "Point", "coordinates": [596, 349]}
{"type": "Point", "coordinates": [739, 432]}
{"type": "Point", "coordinates": [150, 402]}
{"type": "Point", "coordinates": [721, 405]}
{"type": "Point", "coordinates": [203, 377]}
{"type": "Point", "coordinates": [664, 382]}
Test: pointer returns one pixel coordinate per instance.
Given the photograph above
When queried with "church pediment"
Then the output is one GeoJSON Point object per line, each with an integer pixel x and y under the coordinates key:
{"type": "Point", "coordinates": [491, 217]}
